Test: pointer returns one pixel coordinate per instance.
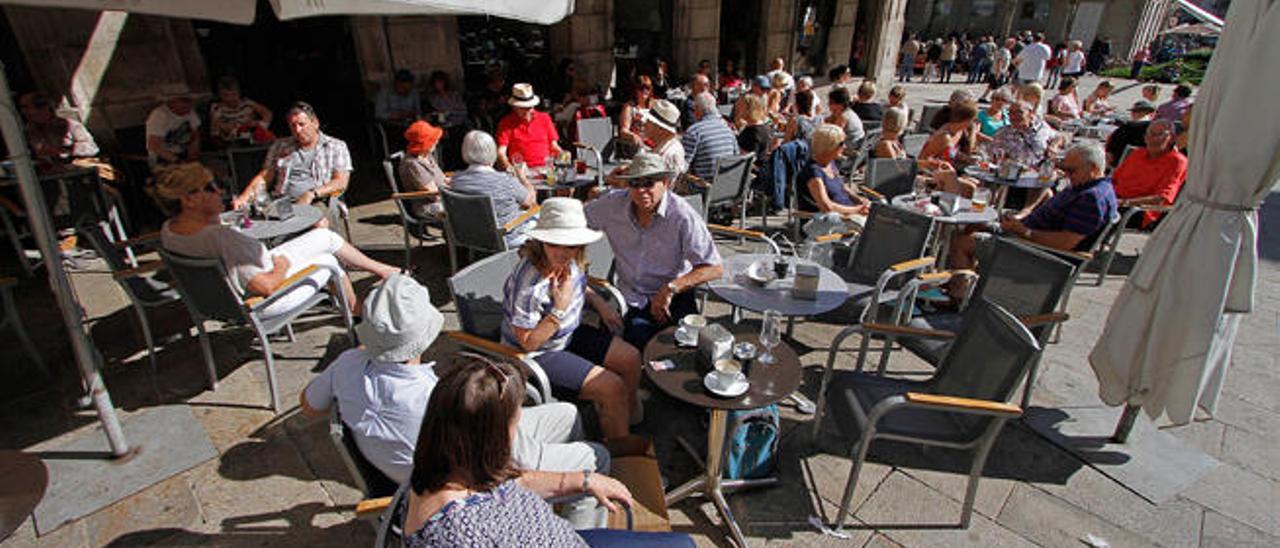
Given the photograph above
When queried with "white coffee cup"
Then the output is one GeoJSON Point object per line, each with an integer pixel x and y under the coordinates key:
{"type": "Point", "coordinates": [689, 327]}
{"type": "Point", "coordinates": [727, 374]}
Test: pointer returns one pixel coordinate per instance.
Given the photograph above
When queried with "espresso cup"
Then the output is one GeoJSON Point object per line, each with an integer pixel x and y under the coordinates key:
{"type": "Point", "coordinates": [727, 373]}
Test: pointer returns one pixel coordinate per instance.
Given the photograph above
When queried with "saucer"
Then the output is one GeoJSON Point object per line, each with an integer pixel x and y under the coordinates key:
{"type": "Point", "coordinates": [736, 389]}
{"type": "Point", "coordinates": [683, 338]}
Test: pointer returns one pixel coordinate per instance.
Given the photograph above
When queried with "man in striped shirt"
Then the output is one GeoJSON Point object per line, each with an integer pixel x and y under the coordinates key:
{"type": "Point", "coordinates": [707, 139]}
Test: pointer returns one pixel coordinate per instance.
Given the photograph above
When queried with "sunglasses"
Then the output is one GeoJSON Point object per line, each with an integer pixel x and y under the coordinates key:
{"type": "Point", "coordinates": [502, 378]}
{"type": "Point", "coordinates": [642, 183]}
{"type": "Point", "coordinates": [211, 187]}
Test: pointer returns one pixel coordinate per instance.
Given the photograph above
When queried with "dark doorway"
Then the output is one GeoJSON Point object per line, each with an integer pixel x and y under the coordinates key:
{"type": "Point", "coordinates": [278, 62]}
{"type": "Point", "coordinates": [814, 22]}
{"type": "Point", "coordinates": [740, 29]}
{"type": "Point", "coordinates": [642, 35]}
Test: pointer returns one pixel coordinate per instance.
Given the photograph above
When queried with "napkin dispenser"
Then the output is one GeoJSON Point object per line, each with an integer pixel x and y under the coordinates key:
{"type": "Point", "coordinates": [714, 343]}
{"type": "Point", "coordinates": [806, 284]}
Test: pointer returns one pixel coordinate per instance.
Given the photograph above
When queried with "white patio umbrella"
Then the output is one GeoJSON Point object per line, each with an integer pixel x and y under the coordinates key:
{"type": "Point", "coordinates": [1167, 342]}
{"type": "Point", "coordinates": [543, 12]}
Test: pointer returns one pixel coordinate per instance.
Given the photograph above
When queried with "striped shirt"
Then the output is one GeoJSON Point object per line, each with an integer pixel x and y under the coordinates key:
{"type": "Point", "coordinates": [526, 298]}
{"type": "Point", "coordinates": [706, 140]}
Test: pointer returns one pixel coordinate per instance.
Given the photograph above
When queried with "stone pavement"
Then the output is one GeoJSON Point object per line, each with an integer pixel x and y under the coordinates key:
{"type": "Point", "coordinates": [277, 479]}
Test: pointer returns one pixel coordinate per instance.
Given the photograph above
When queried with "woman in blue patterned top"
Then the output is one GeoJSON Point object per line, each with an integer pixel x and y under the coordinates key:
{"type": "Point", "coordinates": [542, 309]}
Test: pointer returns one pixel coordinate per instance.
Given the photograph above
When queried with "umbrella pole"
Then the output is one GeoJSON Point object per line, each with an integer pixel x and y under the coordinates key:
{"type": "Point", "coordinates": [1127, 418]}
{"type": "Point", "coordinates": [42, 229]}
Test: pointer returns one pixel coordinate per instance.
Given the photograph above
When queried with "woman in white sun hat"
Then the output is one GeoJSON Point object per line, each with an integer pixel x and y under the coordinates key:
{"type": "Point", "coordinates": [542, 308]}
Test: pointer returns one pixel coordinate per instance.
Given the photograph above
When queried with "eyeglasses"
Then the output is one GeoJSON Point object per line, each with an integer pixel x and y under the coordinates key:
{"type": "Point", "coordinates": [642, 183]}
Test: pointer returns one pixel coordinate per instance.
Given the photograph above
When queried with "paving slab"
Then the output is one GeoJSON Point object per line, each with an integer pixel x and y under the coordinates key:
{"type": "Point", "coordinates": [1223, 532]}
{"type": "Point", "coordinates": [1240, 495]}
{"type": "Point", "coordinates": [1051, 521]}
{"type": "Point", "coordinates": [1257, 453]}
{"type": "Point", "coordinates": [912, 514]}
{"type": "Point", "coordinates": [165, 505]}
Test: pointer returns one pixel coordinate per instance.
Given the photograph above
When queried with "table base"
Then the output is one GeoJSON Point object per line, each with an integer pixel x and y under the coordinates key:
{"type": "Point", "coordinates": [711, 484]}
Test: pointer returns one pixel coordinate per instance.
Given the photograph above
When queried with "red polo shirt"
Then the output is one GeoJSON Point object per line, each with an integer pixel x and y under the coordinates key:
{"type": "Point", "coordinates": [530, 140]}
{"type": "Point", "coordinates": [1142, 175]}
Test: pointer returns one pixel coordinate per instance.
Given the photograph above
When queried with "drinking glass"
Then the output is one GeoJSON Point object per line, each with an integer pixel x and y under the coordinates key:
{"type": "Point", "coordinates": [770, 335]}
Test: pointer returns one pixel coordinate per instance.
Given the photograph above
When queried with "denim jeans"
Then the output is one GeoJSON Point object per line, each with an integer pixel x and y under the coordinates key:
{"type": "Point", "coordinates": [639, 325]}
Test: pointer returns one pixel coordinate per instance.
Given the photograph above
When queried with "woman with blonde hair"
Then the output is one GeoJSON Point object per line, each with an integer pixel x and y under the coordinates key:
{"type": "Point", "coordinates": [756, 136]}
{"type": "Point", "coordinates": [825, 190]}
{"type": "Point", "coordinates": [891, 127]}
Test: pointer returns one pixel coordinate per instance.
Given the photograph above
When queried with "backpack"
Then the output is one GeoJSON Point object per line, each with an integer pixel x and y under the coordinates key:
{"type": "Point", "coordinates": [751, 448]}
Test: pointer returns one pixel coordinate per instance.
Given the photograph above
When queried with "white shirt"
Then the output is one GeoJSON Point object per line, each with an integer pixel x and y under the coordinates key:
{"type": "Point", "coordinates": [1031, 61]}
{"type": "Point", "coordinates": [787, 81]}
{"type": "Point", "coordinates": [1075, 62]}
{"type": "Point", "coordinates": [176, 132]}
{"type": "Point", "coordinates": [381, 403]}
{"type": "Point", "coordinates": [672, 154]}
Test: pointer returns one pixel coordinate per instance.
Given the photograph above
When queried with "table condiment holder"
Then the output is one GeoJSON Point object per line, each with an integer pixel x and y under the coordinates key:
{"type": "Point", "coordinates": [806, 283]}
{"type": "Point", "coordinates": [714, 343]}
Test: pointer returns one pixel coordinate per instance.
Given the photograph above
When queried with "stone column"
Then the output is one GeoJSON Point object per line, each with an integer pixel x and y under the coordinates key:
{"type": "Point", "coordinates": [840, 35]}
{"type": "Point", "coordinates": [587, 38]}
{"type": "Point", "coordinates": [885, 42]}
{"type": "Point", "coordinates": [421, 44]}
{"type": "Point", "coordinates": [696, 35]}
{"type": "Point", "coordinates": [777, 34]}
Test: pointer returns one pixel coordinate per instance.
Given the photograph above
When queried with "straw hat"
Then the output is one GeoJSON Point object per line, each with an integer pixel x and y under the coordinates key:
{"type": "Point", "coordinates": [421, 136]}
{"type": "Point", "coordinates": [522, 96]}
{"type": "Point", "coordinates": [174, 182]}
{"type": "Point", "coordinates": [647, 165]}
{"type": "Point", "coordinates": [563, 222]}
{"type": "Point", "coordinates": [664, 114]}
{"type": "Point", "coordinates": [169, 92]}
{"type": "Point", "coordinates": [399, 320]}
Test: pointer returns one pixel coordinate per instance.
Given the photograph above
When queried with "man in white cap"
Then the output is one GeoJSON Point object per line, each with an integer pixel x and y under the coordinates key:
{"type": "Point", "coordinates": [382, 389]}
{"type": "Point", "coordinates": [526, 135]}
{"type": "Point", "coordinates": [659, 132]}
{"type": "Point", "coordinates": [173, 129]}
{"type": "Point", "coordinates": [661, 246]}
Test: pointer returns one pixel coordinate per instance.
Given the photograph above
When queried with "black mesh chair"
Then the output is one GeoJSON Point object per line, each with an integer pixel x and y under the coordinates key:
{"type": "Point", "coordinates": [963, 406]}
{"type": "Point", "coordinates": [728, 186]}
{"type": "Point", "coordinates": [469, 223]}
{"type": "Point", "coordinates": [889, 177]}
{"type": "Point", "coordinates": [244, 163]}
{"type": "Point", "coordinates": [367, 477]}
{"type": "Point", "coordinates": [415, 226]}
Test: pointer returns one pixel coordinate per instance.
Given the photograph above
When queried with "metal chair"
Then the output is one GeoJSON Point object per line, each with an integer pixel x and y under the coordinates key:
{"type": "Point", "coordinates": [695, 201]}
{"type": "Point", "coordinates": [1079, 259]}
{"type": "Point", "coordinates": [595, 143]}
{"type": "Point", "coordinates": [1109, 244]}
{"type": "Point", "coordinates": [913, 143]}
{"type": "Point", "coordinates": [138, 283]}
{"type": "Point", "coordinates": [890, 177]}
{"type": "Point", "coordinates": [963, 406]}
{"type": "Point", "coordinates": [1026, 282]}
{"type": "Point", "coordinates": [14, 320]}
{"type": "Point", "coordinates": [925, 124]}
{"type": "Point", "coordinates": [728, 186]}
{"type": "Point", "coordinates": [865, 147]}
{"type": "Point", "coordinates": [207, 291]}
{"type": "Point", "coordinates": [415, 226]}
{"type": "Point", "coordinates": [244, 163]}
{"type": "Point", "coordinates": [367, 477]}
{"type": "Point", "coordinates": [469, 223]}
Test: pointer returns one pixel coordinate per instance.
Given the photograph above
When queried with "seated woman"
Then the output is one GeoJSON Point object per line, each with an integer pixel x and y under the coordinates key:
{"type": "Point", "coordinates": [995, 116]}
{"type": "Point", "coordinates": [419, 170]}
{"type": "Point", "coordinates": [1065, 105]}
{"type": "Point", "coordinates": [511, 193]}
{"type": "Point", "coordinates": [542, 311]}
{"type": "Point", "coordinates": [757, 136]}
{"type": "Point", "coordinates": [189, 194]}
{"type": "Point", "coordinates": [805, 119]}
{"type": "Point", "coordinates": [465, 489]}
{"type": "Point", "coordinates": [825, 188]}
{"type": "Point", "coordinates": [891, 126]}
{"type": "Point", "coordinates": [1096, 103]}
{"type": "Point", "coordinates": [950, 145]}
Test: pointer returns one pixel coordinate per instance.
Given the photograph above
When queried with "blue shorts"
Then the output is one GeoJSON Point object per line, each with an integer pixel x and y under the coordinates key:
{"type": "Point", "coordinates": [568, 368]}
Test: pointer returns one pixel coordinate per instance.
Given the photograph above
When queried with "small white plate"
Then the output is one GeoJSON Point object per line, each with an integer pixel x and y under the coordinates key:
{"type": "Point", "coordinates": [736, 389]}
{"type": "Point", "coordinates": [683, 338]}
{"type": "Point", "coordinates": [760, 273]}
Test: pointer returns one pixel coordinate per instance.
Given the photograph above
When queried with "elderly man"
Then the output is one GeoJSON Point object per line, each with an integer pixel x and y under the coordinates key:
{"type": "Point", "coordinates": [659, 133]}
{"type": "Point", "coordinates": [1131, 133]}
{"type": "Point", "coordinates": [526, 135]}
{"type": "Point", "coordinates": [307, 166]}
{"type": "Point", "coordinates": [1070, 221]}
{"type": "Point", "coordinates": [399, 104]}
{"type": "Point", "coordinates": [1152, 175]}
{"type": "Point", "coordinates": [1027, 138]}
{"type": "Point", "coordinates": [707, 139]}
{"type": "Point", "coordinates": [698, 85]}
{"type": "Point", "coordinates": [381, 390]}
{"type": "Point", "coordinates": [662, 248]}
{"type": "Point", "coordinates": [173, 130]}
{"type": "Point", "coordinates": [511, 194]}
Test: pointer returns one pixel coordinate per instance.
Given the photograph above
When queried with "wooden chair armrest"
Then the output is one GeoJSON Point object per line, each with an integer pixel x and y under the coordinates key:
{"type": "Point", "coordinates": [735, 231]}
{"type": "Point", "coordinates": [893, 329]}
{"type": "Point", "coordinates": [598, 282]}
{"type": "Point", "coordinates": [1044, 319]}
{"type": "Point", "coordinates": [486, 345]}
{"type": "Point", "coordinates": [696, 180]}
{"type": "Point", "coordinates": [913, 264]}
{"type": "Point", "coordinates": [13, 208]}
{"type": "Point", "coordinates": [936, 277]}
{"type": "Point", "coordinates": [368, 507]}
{"type": "Point", "coordinates": [872, 193]}
{"type": "Point", "coordinates": [1141, 201]}
{"type": "Point", "coordinates": [298, 276]}
{"type": "Point", "coordinates": [415, 195]}
{"type": "Point", "coordinates": [835, 237]}
{"type": "Point", "coordinates": [966, 404]}
{"type": "Point", "coordinates": [149, 266]}
{"type": "Point", "coordinates": [528, 213]}
{"type": "Point", "coordinates": [139, 240]}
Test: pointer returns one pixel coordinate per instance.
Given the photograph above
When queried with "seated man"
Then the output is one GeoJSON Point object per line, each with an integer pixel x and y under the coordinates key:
{"type": "Point", "coordinates": [399, 104]}
{"type": "Point", "coordinates": [54, 140]}
{"type": "Point", "coordinates": [866, 110]}
{"type": "Point", "coordinates": [708, 139]}
{"type": "Point", "coordinates": [1132, 133]}
{"type": "Point", "coordinates": [307, 166]}
{"type": "Point", "coordinates": [661, 137]}
{"type": "Point", "coordinates": [661, 245]}
{"type": "Point", "coordinates": [526, 135]}
{"type": "Point", "coordinates": [382, 388]}
{"type": "Point", "coordinates": [189, 194]}
{"type": "Point", "coordinates": [173, 130]}
{"type": "Point", "coordinates": [1152, 175]}
{"type": "Point", "coordinates": [1070, 221]}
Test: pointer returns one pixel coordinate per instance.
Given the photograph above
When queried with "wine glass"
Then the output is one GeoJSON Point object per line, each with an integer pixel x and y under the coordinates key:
{"type": "Point", "coordinates": [770, 335]}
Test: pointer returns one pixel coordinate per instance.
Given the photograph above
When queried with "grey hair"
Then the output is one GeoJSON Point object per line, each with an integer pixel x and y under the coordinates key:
{"type": "Point", "coordinates": [1167, 123]}
{"type": "Point", "coordinates": [1022, 105]}
{"type": "Point", "coordinates": [478, 149]}
{"type": "Point", "coordinates": [806, 80]}
{"type": "Point", "coordinates": [960, 96]}
{"type": "Point", "coordinates": [705, 102]}
{"type": "Point", "coordinates": [1091, 154]}
{"type": "Point", "coordinates": [895, 118]}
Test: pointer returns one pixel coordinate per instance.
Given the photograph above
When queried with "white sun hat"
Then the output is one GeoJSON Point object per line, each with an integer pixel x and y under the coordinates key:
{"type": "Point", "coordinates": [522, 96]}
{"type": "Point", "coordinates": [664, 114]}
{"type": "Point", "coordinates": [563, 222]}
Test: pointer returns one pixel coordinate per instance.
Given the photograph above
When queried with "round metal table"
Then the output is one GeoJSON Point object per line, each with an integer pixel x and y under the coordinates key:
{"type": "Point", "coordinates": [769, 384]}
{"type": "Point", "coordinates": [23, 480]}
{"type": "Point", "coordinates": [1029, 180]}
{"type": "Point", "coordinates": [942, 237]}
{"type": "Point", "coordinates": [736, 288]}
{"type": "Point", "coordinates": [269, 230]}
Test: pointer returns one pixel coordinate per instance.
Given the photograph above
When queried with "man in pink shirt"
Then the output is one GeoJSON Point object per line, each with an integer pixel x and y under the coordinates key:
{"type": "Point", "coordinates": [526, 135]}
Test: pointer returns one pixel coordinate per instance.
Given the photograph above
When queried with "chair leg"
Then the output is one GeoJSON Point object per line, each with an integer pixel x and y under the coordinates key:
{"type": "Point", "coordinates": [288, 333]}
{"type": "Point", "coordinates": [146, 335]}
{"type": "Point", "coordinates": [408, 250]}
{"type": "Point", "coordinates": [975, 471]}
{"type": "Point", "coordinates": [271, 372]}
{"type": "Point", "coordinates": [12, 318]}
{"type": "Point", "coordinates": [205, 347]}
{"type": "Point", "coordinates": [858, 454]}
{"type": "Point", "coordinates": [453, 258]}
{"type": "Point", "coordinates": [1032, 370]}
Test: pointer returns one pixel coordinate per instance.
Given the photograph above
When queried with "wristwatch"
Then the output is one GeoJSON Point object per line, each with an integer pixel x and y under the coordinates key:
{"type": "Point", "coordinates": [671, 286]}
{"type": "Point", "coordinates": [559, 315]}
{"type": "Point", "coordinates": [586, 480]}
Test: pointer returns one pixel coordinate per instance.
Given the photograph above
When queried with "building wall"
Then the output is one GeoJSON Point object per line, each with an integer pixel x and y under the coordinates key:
{"type": "Point", "coordinates": [421, 44]}
{"type": "Point", "coordinates": [776, 37]}
{"type": "Point", "coordinates": [840, 36]}
{"type": "Point", "coordinates": [587, 38]}
{"type": "Point", "coordinates": [696, 34]}
{"type": "Point", "coordinates": [885, 42]}
{"type": "Point", "coordinates": [149, 52]}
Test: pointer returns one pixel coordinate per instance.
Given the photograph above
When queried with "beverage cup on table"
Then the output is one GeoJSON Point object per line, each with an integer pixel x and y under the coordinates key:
{"type": "Point", "coordinates": [580, 166]}
{"type": "Point", "coordinates": [689, 327]}
{"type": "Point", "coordinates": [727, 373]}
{"type": "Point", "coordinates": [981, 197]}
{"type": "Point", "coordinates": [780, 265]}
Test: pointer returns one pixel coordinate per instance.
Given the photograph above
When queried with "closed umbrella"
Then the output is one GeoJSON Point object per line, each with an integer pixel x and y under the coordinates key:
{"type": "Point", "coordinates": [544, 12]}
{"type": "Point", "coordinates": [1167, 342]}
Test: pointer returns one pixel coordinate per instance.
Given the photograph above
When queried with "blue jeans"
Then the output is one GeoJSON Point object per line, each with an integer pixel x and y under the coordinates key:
{"type": "Point", "coordinates": [639, 325]}
{"type": "Point", "coordinates": [615, 537]}
{"type": "Point", "coordinates": [906, 70]}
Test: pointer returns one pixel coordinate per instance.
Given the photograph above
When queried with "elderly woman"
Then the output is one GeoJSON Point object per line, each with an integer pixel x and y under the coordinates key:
{"type": "Point", "coordinates": [825, 188]}
{"type": "Point", "coordinates": [632, 116]}
{"type": "Point", "coordinates": [891, 127]}
{"type": "Point", "coordinates": [465, 489]}
{"type": "Point", "coordinates": [418, 170]}
{"type": "Point", "coordinates": [511, 193]}
{"type": "Point", "coordinates": [995, 116]}
{"type": "Point", "coordinates": [233, 117]}
{"type": "Point", "coordinates": [542, 309]}
{"type": "Point", "coordinates": [1096, 103]}
{"type": "Point", "coordinates": [1065, 105]}
{"type": "Point", "coordinates": [189, 193]}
